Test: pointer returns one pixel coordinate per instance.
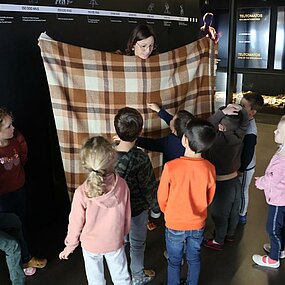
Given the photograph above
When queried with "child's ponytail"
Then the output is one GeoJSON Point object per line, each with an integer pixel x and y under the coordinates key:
{"type": "Point", "coordinates": [98, 157]}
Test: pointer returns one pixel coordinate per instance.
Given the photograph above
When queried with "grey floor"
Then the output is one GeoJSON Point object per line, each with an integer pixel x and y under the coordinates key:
{"type": "Point", "coordinates": [232, 266]}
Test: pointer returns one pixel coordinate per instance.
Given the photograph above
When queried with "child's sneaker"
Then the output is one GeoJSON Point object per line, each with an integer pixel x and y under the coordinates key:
{"type": "Point", "coordinates": [29, 271]}
{"type": "Point", "coordinates": [242, 220]}
{"type": "Point", "coordinates": [142, 280]}
{"type": "Point", "coordinates": [36, 262]}
{"type": "Point", "coordinates": [267, 248]}
{"type": "Point", "coordinates": [265, 261]}
{"type": "Point", "coordinates": [209, 243]}
{"type": "Point", "coordinates": [149, 272]}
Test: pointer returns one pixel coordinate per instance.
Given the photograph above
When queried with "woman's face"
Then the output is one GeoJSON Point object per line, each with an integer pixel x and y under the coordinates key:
{"type": "Point", "coordinates": [144, 48]}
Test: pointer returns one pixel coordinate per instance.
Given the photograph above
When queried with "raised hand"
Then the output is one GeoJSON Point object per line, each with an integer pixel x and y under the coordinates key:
{"type": "Point", "coordinates": [153, 107]}
{"type": "Point", "coordinates": [232, 109]}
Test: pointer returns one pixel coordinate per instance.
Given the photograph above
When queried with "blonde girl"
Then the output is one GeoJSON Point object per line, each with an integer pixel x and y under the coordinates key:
{"type": "Point", "coordinates": [273, 184]}
{"type": "Point", "coordinates": [100, 215]}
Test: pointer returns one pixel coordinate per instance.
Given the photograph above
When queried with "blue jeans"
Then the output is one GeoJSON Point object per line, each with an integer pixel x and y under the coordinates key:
{"type": "Point", "coordinates": [175, 241]}
{"type": "Point", "coordinates": [15, 202]}
{"type": "Point", "coordinates": [11, 224]}
{"type": "Point", "coordinates": [276, 229]}
{"type": "Point", "coordinates": [13, 246]}
{"type": "Point", "coordinates": [137, 238]}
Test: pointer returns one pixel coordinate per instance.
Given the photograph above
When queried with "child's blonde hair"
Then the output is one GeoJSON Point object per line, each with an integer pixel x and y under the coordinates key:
{"type": "Point", "coordinates": [4, 112]}
{"type": "Point", "coordinates": [282, 121]}
{"type": "Point", "coordinates": [99, 157]}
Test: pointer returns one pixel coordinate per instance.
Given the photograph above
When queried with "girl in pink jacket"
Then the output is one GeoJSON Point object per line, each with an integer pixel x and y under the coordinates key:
{"type": "Point", "coordinates": [273, 184]}
{"type": "Point", "coordinates": [100, 215]}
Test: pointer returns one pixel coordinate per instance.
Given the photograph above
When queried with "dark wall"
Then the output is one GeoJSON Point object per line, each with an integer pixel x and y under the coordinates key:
{"type": "Point", "coordinates": [266, 84]}
{"type": "Point", "coordinates": [24, 88]}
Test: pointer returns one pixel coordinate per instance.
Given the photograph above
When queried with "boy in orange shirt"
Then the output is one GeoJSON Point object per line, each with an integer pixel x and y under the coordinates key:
{"type": "Point", "coordinates": [186, 189]}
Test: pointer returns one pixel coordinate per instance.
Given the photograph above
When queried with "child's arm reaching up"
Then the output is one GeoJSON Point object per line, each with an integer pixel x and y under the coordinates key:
{"type": "Point", "coordinates": [232, 109]}
{"type": "Point", "coordinates": [164, 115]}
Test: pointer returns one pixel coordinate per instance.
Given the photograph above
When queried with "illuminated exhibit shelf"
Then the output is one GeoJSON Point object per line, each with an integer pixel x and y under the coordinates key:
{"type": "Point", "coordinates": [272, 104]}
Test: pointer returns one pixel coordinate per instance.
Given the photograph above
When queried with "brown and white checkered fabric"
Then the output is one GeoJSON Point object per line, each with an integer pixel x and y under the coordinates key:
{"type": "Point", "coordinates": [87, 87]}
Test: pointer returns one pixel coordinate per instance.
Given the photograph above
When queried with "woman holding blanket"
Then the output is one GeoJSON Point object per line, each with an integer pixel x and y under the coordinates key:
{"type": "Point", "coordinates": [142, 42]}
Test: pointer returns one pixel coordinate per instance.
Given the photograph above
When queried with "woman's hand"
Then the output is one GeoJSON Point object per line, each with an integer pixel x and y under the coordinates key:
{"type": "Point", "coordinates": [154, 107]}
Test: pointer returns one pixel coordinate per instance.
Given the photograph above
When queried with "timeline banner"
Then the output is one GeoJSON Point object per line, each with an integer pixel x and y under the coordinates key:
{"type": "Point", "coordinates": [89, 12]}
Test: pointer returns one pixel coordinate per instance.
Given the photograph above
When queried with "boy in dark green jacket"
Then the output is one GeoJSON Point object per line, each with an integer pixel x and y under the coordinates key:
{"type": "Point", "coordinates": [135, 167]}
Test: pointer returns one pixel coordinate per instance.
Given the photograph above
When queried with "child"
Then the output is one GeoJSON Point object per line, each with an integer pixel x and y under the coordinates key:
{"type": "Point", "coordinates": [13, 244]}
{"type": "Point", "coordinates": [13, 157]}
{"type": "Point", "coordinates": [273, 184]}
{"type": "Point", "coordinates": [186, 189]}
{"type": "Point", "coordinates": [135, 167]}
{"type": "Point", "coordinates": [252, 102]}
{"type": "Point", "coordinates": [225, 154]}
{"type": "Point", "coordinates": [100, 215]}
{"type": "Point", "coordinates": [169, 145]}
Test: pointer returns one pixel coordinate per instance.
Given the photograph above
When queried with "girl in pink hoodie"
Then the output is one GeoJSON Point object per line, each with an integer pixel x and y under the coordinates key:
{"type": "Point", "coordinates": [100, 215]}
{"type": "Point", "coordinates": [273, 184]}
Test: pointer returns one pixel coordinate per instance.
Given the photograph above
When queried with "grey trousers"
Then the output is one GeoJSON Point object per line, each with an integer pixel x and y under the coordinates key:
{"type": "Point", "coordinates": [137, 238]}
{"type": "Point", "coordinates": [225, 208]}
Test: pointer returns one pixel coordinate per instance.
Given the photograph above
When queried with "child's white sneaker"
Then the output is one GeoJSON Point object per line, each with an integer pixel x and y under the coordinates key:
{"type": "Point", "coordinates": [29, 271]}
{"type": "Point", "coordinates": [264, 261]}
{"type": "Point", "coordinates": [142, 280]}
{"type": "Point", "coordinates": [267, 248]}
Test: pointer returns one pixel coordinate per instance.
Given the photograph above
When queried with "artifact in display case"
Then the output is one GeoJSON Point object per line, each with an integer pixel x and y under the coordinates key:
{"type": "Point", "coordinates": [272, 104]}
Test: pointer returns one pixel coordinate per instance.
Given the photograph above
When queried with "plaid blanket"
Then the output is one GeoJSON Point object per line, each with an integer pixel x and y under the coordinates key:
{"type": "Point", "coordinates": [87, 87]}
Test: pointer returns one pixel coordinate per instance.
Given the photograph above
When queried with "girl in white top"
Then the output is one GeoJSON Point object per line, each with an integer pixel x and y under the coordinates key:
{"type": "Point", "coordinates": [100, 215]}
